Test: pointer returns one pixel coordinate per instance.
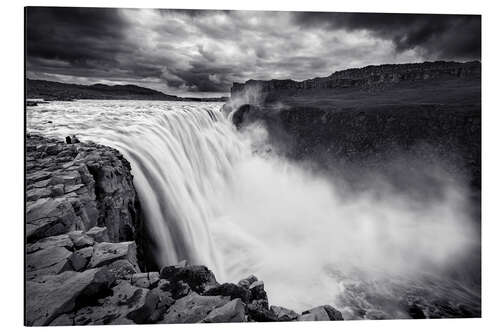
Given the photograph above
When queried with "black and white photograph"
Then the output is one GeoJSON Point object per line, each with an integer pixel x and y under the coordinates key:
{"type": "Point", "coordinates": [223, 165]}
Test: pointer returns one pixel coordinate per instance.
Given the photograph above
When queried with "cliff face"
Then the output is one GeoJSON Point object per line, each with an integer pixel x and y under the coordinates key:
{"type": "Point", "coordinates": [85, 245]}
{"type": "Point", "coordinates": [369, 77]}
{"type": "Point", "coordinates": [77, 187]}
{"type": "Point", "coordinates": [400, 122]}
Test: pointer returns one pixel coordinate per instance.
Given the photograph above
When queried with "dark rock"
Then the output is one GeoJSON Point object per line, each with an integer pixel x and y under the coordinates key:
{"type": "Point", "coordinates": [259, 311]}
{"type": "Point", "coordinates": [231, 312]}
{"type": "Point", "coordinates": [284, 314]}
{"type": "Point", "coordinates": [79, 259]}
{"type": "Point", "coordinates": [106, 253]}
{"type": "Point", "coordinates": [51, 295]}
{"type": "Point", "coordinates": [199, 278]}
{"type": "Point", "coordinates": [53, 260]}
{"type": "Point", "coordinates": [53, 241]}
{"type": "Point", "coordinates": [321, 313]}
{"type": "Point", "coordinates": [230, 289]}
{"type": "Point", "coordinates": [248, 281]}
{"type": "Point", "coordinates": [192, 308]}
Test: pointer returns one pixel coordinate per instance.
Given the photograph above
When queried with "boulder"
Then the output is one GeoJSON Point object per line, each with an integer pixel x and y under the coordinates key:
{"type": "Point", "coordinates": [80, 239]}
{"type": "Point", "coordinates": [284, 314]}
{"type": "Point", "coordinates": [231, 312]}
{"type": "Point", "coordinates": [257, 291]}
{"type": "Point", "coordinates": [125, 299]}
{"type": "Point", "coordinates": [248, 281]}
{"type": "Point", "coordinates": [199, 278]}
{"type": "Point", "coordinates": [52, 260]}
{"type": "Point", "coordinates": [60, 240]}
{"type": "Point", "coordinates": [321, 313]}
{"type": "Point", "coordinates": [230, 289]}
{"type": "Point", "coordinates": [258, 310]}
{"type": "Point", "coordinates": [192, 308]}
{"type": "Point", "coordinates": [79, 259]}
{"type": "Point", "coordinates": [98, 234]}
{"type": "Point", "coordinates": [49, 217]}
{"type": "Point", "coordinates": [145, 280]}
{"type": "Point", "coordinates": [106, 253]}
{"type": "Point", "coordinates": [156, 304]}
{"type": "Point", "coordinates": [51, 295]}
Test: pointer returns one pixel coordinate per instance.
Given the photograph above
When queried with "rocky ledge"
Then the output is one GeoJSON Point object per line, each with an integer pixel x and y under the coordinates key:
{"type": "Point", "coordinates": [84, 233]}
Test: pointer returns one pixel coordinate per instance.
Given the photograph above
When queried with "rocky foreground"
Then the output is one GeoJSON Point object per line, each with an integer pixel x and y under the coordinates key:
{"type": "Point", "coordinates": [84, 252]}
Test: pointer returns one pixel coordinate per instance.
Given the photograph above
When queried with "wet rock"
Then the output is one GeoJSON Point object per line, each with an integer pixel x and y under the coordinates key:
{"type": "Point", "coordinates": [284, 314]}
{"type": "Point", "coordinates": [192, 308]}
{"type": "Point", "coordinates": [199, 278]}
{"type": "Point", "coordinates": [233, 311]}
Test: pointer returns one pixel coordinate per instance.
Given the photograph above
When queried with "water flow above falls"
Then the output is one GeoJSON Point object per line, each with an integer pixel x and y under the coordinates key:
{"type": "Point", "coordinates": [210, 199]}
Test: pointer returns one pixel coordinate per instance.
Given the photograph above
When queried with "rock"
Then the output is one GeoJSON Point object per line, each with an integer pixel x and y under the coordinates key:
{"type": "Point", "coordinates": [199, 278]}
{"type": "Point", "coordinates": [145, 280]}
{"type": "Point", "coordinates": [248, 281]}
{"type": "Point", "coordinates": [51, 295]}
{"type": "Point", "coordinates": [52, 260]}
{"type": "Point", "coordinates": [156, 303]}
{"type": "Point", "coordinates": [125, 299]}
{"type": "Point", "coordinates": [192, 308]}
{"type": "Point", "coordinates": [49, 217]}
{"type": "Point", "coordinates": [230, 289]}
{"type": "Point", "coordinates": [284, 314]}
{"type": "Point", "coordinates": [257, 291]}
{"type": "Point", "coordinates": [258, 311]}
{"type": "Point", "coordinates": [233, 311]}
{"type": "Point", "coordinates": [63, 320]}
{"type": "Point", "coordinates": [80, 239]}
{"type": "Point", "coordinates": [122, 269]}
{"type": "Point", "coordinates": [106, 253]}
{"type": "Point", "coordinates": [79, 259]}
{"type": "Point", "coordinates": [321, 313]}
{"type": "Point", "coordinates": [48, 242]}
{"type": "Point", "coordinates": [98, 234]}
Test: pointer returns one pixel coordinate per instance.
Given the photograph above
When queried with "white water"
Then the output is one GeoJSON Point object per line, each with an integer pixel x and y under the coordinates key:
{"type": "Point", "coordinates": [211, 197]}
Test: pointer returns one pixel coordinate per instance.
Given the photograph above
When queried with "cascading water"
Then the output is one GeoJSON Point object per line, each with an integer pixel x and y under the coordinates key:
{"type": "Point", "coordinates": [218, 197]}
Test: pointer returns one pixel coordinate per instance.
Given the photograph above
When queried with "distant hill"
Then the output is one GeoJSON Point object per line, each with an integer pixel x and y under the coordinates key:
{"type": "Point", "coordinates": [51, 90]}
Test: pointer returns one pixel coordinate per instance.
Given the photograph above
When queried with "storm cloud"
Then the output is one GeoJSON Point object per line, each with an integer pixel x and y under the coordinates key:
{"type": "Point", "coordinates": [187, 51]}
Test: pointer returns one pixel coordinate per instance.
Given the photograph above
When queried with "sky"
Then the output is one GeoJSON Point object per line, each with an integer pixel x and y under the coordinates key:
{"type": "Point", "coordinates": [195, 52]}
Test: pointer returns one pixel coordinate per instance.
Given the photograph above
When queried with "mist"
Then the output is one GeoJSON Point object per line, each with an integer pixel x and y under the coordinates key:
{"type": "Point", "coordinates": [293, 227]}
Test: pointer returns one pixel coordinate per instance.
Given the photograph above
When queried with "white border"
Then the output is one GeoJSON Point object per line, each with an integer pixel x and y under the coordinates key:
{"type": "Point", "coordinates": [11, 120]}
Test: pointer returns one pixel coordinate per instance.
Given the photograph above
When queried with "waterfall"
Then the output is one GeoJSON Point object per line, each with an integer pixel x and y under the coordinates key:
{"type": "Point", "coordinates": [216, 196]}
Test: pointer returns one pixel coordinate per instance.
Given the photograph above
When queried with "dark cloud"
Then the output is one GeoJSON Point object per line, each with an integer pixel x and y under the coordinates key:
{"type": "Point", "coordinates": [198, 51]}
{"type": "Point", "coordinates": [445, 36]}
